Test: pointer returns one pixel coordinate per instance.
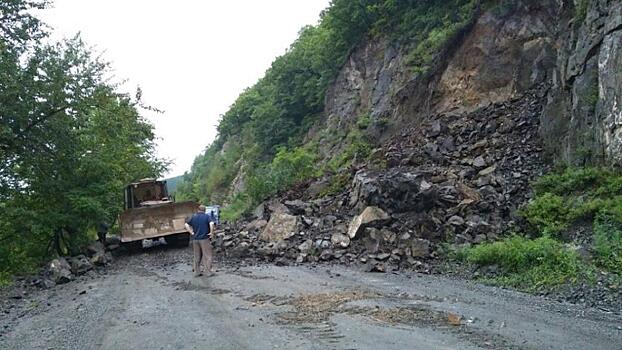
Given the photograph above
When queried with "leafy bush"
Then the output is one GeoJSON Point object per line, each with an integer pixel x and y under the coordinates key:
{"type": "Point", "coordinates": [338, 183]}
{"type": "Point", "coordinates": [528, 264]}
{"type": "Point", "coordinates": [608, 244]}
{"type": "Point", "coordinates": [572, 195]}
{"type": "Point", "coordinates": [596, 181]}
{"type": "Point", "coordinates": [358, 147]}
{"type": "Point", "coordinates": [363, 121]}
{"type": "Point", "coordinates": [239, 206]}
{"type": "Point", "coordinates": [287, 168]}
{"type": "Point", "coordinates": [548, 213]}
{"type": "Point", "coordinates": [581, 11]}
{"type": "Point", "coordinates": [433, 27]}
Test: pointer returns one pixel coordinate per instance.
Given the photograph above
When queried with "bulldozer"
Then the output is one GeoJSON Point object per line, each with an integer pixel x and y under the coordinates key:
{"type": "Point", "coordinates": [150, 213]}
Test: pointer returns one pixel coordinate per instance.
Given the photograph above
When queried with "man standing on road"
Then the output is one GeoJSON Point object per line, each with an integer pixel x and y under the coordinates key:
{"type": "Point", "coordinates": [202, 226]}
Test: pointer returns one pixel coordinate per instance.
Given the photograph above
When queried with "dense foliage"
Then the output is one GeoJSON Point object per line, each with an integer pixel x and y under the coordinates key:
{"type": "Point", "coordinates": [68, 142]}
{"type": "Point", "coordinates": [272, 116]}
{"type": "Point", "coordinates": [569, 203]}
{"type": "Point", "coordinates": [567, 197]}
{"type": "Point", "coordinates": [529, 264]}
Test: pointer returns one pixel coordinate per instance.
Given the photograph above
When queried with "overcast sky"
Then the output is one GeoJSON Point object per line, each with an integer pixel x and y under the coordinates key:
{"type": "Point", "coordinates": [191, 58]}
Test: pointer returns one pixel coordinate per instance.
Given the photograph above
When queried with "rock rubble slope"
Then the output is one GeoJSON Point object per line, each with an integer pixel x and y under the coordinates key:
{"type": "Point", "coordinates": [457, 178]}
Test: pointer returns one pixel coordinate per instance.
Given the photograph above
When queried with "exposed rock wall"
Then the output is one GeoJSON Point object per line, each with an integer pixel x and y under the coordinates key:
{"type": "Point", "coordinates": [582, 120]}
{"type": "Point", "coordinates": [506, 52]}
{"type": "Point", "coordinates": [573, 59]}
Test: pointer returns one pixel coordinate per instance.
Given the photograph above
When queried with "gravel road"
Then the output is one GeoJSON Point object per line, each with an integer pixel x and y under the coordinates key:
{"type": "Point", "coordinates": [151, 301]}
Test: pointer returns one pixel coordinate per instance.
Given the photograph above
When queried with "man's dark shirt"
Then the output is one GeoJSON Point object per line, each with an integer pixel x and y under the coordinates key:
{"type": "Point", "coordinates": [200, 225]}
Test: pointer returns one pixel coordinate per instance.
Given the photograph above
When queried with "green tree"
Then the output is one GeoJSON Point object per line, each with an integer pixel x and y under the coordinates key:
{"type": "Point", "coordinates": [69, 142]}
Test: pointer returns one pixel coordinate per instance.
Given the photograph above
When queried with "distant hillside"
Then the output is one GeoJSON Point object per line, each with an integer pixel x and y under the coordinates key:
{"type": "Point", "coordinates": [172, 182]}
{"type": "Point", "coordinates": [371, 69]}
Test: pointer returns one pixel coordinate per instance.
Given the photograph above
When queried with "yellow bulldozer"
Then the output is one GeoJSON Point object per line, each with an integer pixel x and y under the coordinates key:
{"type": "Point", "coordinates": [150, 213]}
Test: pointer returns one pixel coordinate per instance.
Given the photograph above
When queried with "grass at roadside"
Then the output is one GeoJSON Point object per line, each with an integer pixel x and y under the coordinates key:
{"type": "Point", "coordinates": [528, 264]}
{"type": "Point", "coordinates": [563, 201]}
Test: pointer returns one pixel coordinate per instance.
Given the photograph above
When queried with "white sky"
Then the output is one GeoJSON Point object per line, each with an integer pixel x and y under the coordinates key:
{"type": "Point", "coordinates": [191, 58]}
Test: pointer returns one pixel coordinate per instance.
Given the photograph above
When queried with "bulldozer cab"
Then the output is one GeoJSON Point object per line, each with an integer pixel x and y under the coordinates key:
{"type": "Point", "coordinates": [150, 213]}
{"type": "Point", "coordinates": [146, 192]}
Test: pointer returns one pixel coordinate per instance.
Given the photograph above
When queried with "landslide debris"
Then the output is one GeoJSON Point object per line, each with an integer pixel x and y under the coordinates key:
{"type": "Point", "coordinates": [451, 178]}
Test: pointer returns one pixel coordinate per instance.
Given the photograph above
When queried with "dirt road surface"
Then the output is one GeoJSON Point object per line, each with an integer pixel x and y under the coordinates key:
{"type": "Point", "coordinates": [151, 301]}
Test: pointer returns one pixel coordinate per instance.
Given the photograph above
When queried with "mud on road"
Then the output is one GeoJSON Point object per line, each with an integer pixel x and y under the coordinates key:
{"type": "Point", "coordinates": [151, 301]}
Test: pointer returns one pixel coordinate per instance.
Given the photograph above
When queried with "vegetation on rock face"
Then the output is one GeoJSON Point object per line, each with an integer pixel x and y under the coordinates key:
{"type": "Point", "coordinates": [567, 203]}
{"type": "Point", "coordinates": [68, 142]}
{"type": "Point", "coordinates": [276, 113]}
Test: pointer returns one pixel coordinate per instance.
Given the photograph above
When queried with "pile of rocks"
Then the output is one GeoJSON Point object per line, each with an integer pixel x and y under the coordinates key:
{"type": "Point", "coordinates": [455, 179]}
{"type": "Point", "coordinates": [63, 270]}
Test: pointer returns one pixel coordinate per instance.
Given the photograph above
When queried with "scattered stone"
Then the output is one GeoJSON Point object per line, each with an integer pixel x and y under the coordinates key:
{"type": "Point", "coordinates": [297, 207]}
{"type": "Point", "coordinates": [479, 162]}
{"type": "Point", "coordinates": [276, 207]}
{"type": "Point", "coordinates": [488, 170]}
{"type": "Point", "coordinates": [454, 319]}
{"type": "Point", "coordinates": [259, 211]}
{"type": "Point", "coordinates": [306, 246]}
{"type": "Point", "coordinates": [420, 248]}
{"type": "Point", "coordinates": [80, 265]}
{"type": "Point", "coordinates": [456, 220]}
{"type": "Point", "coordinates": [383, 256]}
{"type": "Point", "coordinates": [60, 271]}
{"type": "Point", "coordinates": [101, 259]}
{"type": "Point", "coordinates": [340, 240]}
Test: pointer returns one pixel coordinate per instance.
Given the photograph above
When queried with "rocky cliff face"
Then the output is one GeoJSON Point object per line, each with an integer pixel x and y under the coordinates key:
{"type": "Point", "coordinates": [583, 116]}
{"type": "Point", "coordinates": [504, 53]}
{"type": "Point", "coordinates": [457, 146]}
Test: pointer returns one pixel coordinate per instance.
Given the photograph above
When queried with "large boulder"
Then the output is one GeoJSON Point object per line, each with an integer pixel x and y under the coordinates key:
{"type": "Point", "coordinates": [394, 190]}
{"type": "Point", "coordinates": [60, 271]}
{"type": "Point", "coordinates": [369, 216]}
{"type": "Point", "coordinates": [281, 226]}
{"type": "Point", "coordinates": [80, 265]}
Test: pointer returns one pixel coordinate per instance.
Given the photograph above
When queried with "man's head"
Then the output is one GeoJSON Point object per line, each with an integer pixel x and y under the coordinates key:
{"type": "Point", "coordinates": [202, 208]}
